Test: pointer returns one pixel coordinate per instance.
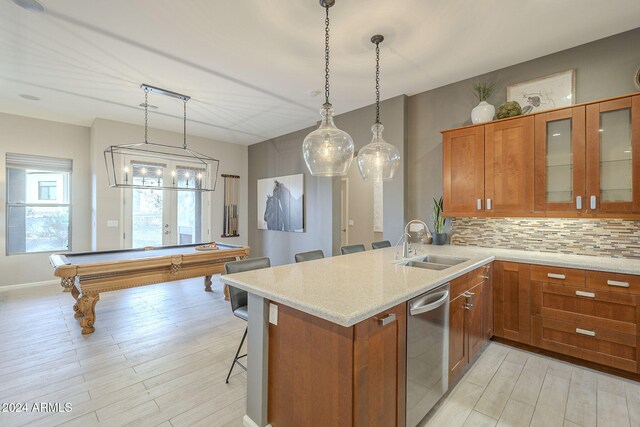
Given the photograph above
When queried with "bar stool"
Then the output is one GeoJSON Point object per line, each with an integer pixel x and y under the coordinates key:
{"type": "Point", "coordinates": [309, 256]}
{"type": "Point", "coordinates": [352, 249]}
{"type": "Point", "coordinates": [238, 299]}
{"type": "Point", "coordinates": [381, 244]}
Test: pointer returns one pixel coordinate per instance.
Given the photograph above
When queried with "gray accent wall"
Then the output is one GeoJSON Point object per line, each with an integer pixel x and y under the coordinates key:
{"type": "Point", "coordinates": [604, 68]}
{"type": "Point", "coordinates": [283, 156]}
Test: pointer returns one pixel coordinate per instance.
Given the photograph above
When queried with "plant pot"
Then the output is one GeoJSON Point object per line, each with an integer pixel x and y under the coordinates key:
{"type": "Point", "coordinates": [439, 238]}
{"type": "Point", "coordinates": [482, 113]}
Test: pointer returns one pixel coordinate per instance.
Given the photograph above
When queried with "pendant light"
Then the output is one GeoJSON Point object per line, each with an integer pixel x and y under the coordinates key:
{"type": "Point", "coordinates": [378, 160]}
{"type": "Point", "coordinates": [327, 151]}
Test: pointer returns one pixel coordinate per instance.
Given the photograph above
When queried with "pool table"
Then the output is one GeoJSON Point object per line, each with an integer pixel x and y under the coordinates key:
{"type": "Point", "coordinates": [87, 274]}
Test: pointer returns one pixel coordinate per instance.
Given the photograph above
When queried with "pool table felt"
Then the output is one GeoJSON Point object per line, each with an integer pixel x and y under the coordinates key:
{"type": "Point", "coordinates": [131, 254]}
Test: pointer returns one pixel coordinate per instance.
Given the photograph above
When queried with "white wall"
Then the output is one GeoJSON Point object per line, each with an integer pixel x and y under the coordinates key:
{"type": "Point", "coordinates": [25, 135]}
{"type": "Point", "coordinates": [106, 202]}
{"type": "Point", "coordinates": [93, 202]}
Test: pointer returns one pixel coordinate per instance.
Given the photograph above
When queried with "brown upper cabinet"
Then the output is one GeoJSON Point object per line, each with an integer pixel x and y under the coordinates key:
{"type": "Point", "coordinates": [464, 170]}
{"type": "Point", "coordinates": [577, 161]}
{"type": "Point", "coordinates": [613, 155]}
{"type": "Point", "coordinates": [508, 154]}
{"type": "Point", "coordinates": [560, 161]}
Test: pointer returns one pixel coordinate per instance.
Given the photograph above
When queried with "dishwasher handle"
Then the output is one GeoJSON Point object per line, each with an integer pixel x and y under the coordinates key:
{"type": "Point", "coordinates": [419, 308]}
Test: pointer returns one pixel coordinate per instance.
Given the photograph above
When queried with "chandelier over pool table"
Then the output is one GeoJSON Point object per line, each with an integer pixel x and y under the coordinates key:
{"type": "Point", "coordinates": [160, 166]}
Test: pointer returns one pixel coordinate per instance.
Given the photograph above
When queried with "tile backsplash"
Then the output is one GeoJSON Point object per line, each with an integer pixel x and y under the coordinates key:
{"type": "Point", "coordinates": [615, 238]}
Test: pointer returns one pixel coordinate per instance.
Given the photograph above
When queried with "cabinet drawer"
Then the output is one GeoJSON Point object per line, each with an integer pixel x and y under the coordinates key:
{"type": "Point", "coordinates": [458, 286]}
{"type": "Point", "coordinates": [594, 343]}
{"type": "Point", "coordinates": [478, 275]}
{"type": "Point", "coordinates": [560, 275]}
{"type": "Point", "coordinates": [589, 307]}
{"type": "Point", "coordinates": [615, 282]}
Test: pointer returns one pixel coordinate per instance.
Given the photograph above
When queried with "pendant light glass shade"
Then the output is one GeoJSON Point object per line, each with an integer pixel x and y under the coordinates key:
{"type": "Point", "coordinates": [378, 160]}
{"type": "Point", "coordinates": [328, 151]}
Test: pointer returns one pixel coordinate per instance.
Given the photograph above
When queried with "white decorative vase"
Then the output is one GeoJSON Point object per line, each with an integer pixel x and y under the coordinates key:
{"type": "Point", "coordinates": [483, 112]}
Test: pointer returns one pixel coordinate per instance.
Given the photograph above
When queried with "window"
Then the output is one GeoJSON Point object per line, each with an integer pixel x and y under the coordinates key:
{"type": "Point", "coordinates": [38, 204]}
{"type": "Point", "coordinates": [47, 190]}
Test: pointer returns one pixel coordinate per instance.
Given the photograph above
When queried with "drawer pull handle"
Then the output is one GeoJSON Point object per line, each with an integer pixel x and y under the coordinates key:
{"type": "Point", "coordinates": [387, 319]}
{"type": "Point", "coordinates": [556, 276]}
{"type": "Point", "coordinates": [585, 332]}
{"type": "Point", "coordinates": [585, 294]}
{"type": "Point", "coordinates": [618, 284]}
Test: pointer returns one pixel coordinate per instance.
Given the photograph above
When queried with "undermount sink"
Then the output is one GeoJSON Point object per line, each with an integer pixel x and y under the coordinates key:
{"type": "Point", "coordinates": [441, 259]}
{"type": "Point", "coordinates": [427, 265]}
{"type": "Point", "coordinates": [436, 262]}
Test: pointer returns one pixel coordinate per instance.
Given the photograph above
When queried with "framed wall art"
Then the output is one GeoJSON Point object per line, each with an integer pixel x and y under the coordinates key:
{"type": "Point", "coordinates": [545, 93]}
{"type": "Point", "coordinates": [281, 203]}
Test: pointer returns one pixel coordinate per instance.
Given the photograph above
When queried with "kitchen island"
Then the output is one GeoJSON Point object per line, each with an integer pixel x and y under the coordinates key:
{"type": "Point", "coordinates": [318, 349]}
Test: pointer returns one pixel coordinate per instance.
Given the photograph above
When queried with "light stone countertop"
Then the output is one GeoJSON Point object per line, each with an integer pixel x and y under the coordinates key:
{"type": "Point", "coordinates": [347, 289]}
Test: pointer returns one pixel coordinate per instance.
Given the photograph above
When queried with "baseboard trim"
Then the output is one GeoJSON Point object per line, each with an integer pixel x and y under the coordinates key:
{"type": "Point", "coordinates": [29, 285]}
{"type": "Point", "coordinates": [248, 422]}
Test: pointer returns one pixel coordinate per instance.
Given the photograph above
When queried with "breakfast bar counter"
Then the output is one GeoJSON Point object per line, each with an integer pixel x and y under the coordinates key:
{"type": "Point", "coordinates": [316, 334]}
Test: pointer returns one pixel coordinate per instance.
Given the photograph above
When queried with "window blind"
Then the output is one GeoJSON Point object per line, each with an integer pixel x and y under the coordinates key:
{"type": "Point", "coordinates": [24, 161]}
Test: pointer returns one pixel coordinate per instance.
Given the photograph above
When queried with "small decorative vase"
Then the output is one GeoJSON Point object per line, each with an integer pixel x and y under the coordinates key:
{"type": "Point", "coordinates": [483, 112]}
{"type": "Point", "coordinates": [439, 238]}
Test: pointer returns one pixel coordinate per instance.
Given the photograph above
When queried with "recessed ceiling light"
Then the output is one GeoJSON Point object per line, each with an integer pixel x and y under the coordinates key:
{"type": "Point", "coordinates": [29, 97]}
{"type": "Point", "coordinates": [153, 107]}
{"type": "Point", "coordinates": [30, 5]}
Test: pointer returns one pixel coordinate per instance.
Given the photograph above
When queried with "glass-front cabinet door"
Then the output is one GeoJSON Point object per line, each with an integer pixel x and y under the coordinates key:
{"type": "Point", "coordinates": [613, 156]}
{"type": "Point", "coordinates": [560, 161]}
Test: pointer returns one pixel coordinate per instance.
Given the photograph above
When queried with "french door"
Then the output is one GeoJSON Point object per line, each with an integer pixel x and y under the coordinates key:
{"type": "Point", "coordinates": [155, 216]}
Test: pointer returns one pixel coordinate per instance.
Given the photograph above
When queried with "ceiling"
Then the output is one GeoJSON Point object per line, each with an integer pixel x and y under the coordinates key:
{"type": "Point", "coordinates": [250, 65]}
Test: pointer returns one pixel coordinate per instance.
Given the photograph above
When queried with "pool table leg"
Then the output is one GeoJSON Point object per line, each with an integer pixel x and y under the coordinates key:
{"type": "Point", "coordinates": [207, 283]}
{"type": "Point", "coordinates": [87, 305]}
{"type": "Point", "coordinates": [75, 293]}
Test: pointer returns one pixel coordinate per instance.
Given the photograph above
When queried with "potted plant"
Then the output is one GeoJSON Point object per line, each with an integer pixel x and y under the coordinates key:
{"type": "Point", "coordinates": [439, 236]}
{"type": "Point", "coordinates": [483, 112]}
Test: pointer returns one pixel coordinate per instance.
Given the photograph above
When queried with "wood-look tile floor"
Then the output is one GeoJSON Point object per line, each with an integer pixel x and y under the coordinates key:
{"type": "Point", "coordinates": [510, 387]}
{"type": "Point", "coordinates": [159, 356]}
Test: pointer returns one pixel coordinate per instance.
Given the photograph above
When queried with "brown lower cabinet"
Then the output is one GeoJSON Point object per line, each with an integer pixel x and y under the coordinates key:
{"type": "Point", "coordinates": [321, 373]}
{"type": "Point", "coordinates": [589, 315]}
{"type": "Point", "coordinates": [511, 301]}
{"type": "Point", "coordinates": [470, 322]}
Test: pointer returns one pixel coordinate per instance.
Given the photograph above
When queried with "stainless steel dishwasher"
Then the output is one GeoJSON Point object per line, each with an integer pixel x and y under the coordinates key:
{"type": "Point", "coordinates": [427, 352]}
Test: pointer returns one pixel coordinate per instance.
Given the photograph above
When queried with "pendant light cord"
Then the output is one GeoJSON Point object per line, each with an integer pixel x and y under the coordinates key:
{"type": "Point", "coordinates": [184, 126]}
{"type": "Point", "coordinates": [326, 57]}
{"type": "Point", "coordinates": [377, 82]}
{"type": "Point", "coordinates": [146, 115]}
